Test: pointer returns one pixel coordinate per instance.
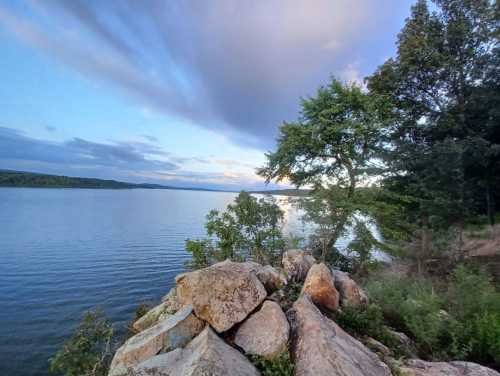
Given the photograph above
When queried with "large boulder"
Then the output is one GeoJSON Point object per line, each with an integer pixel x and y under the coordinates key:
{"type": "Point", "coordinates": [320, 287]}
{"type": "Point", "coordinates": [174, 332]}
{"type": "Point", "coordinates": [297, 263]}
{"type": "Point", "coordinates": [265, 332]}
{"type": "Point", "coordinates": [417, 367]}
{"type": "Point", "coordinates": [223, 294]}
{"type": "Point", "coordinates": [350, 292]}
{"type": "Point", "coordinates": [165, 309]}
{"type": "Point", "coordinates": [271, 278]}
{"type": "Point", "coordinates": [207, 354]}
{"type": "Point", "coordinates": [321, 348]}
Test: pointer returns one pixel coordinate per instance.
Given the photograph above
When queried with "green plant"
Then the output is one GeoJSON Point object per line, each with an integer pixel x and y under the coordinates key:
{"type": "Point", "coordinates": [288, 294]}
{"type": "Point", "coordinates": [456, 320]}
{"type": "Point", "coordinates": [250, 228]}
{"type": "Point", "coordinates": [201, 251]}
{"type": "Point", "coordinates": [140, 311]}
{"type": "Point", "coordinates": [278, 366]}
{"type": "Point", "coordinates": [365, 320]}
{"type": "Point", "coordinates": [88, 352]}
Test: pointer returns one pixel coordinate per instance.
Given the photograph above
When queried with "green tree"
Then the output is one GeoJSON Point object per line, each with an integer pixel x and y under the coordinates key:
{"type": "Point", "coordinates": [88, 352]}
{"type": "Point", "coordinates": [444, 60]}
{"type": "Point", "coordinates": [333, 146]}
{"type": "Point", "coordinates": [334, 140]}
{"type": "Point", "coordinates": [248, 228]}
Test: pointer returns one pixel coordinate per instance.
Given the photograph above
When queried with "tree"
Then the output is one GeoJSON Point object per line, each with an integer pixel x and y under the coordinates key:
{"type": "Point", "coordinates": [444, 60]}
{"type": "Point", "coordinates": [333, 147]}
{"type": "Point", "coordinates": [334, 140]}
{"type": "Point", "coordinates": [88, 352]}
{"type": "Point", "coordinates": [249, 228]}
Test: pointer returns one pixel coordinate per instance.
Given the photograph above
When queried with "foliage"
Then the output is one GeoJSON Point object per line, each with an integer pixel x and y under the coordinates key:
{"type": "Point", "coordinates": [278, 366]}
{"type": "Point", "coordinates": [140, 311]}
{"type": "Point", "coordinates": [288, 294]}
{"type": "Point", "coordinates": [459, 319]}
{"type": "Point", "coordinates": [88, 352]}
{"type": "Point", "coordinates": [201, 253]}
{"type": "Point", "coordinates": [249, 228]}
{"type": "Point", "coordinates": [361, 247]}
{"type": "Point", "coordinates": [332, 142]}
{"type": "Point", "coordinates": [442, 151]}
{"type": "Point", "coordinates": [365, 320]}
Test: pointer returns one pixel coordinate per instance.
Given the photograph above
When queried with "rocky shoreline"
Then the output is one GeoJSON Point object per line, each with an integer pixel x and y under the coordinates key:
{"type": "Point", "coordinates": [215, 318]}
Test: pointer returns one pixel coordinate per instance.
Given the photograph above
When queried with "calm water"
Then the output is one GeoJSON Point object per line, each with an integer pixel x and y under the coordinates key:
{"type": "Point", "coordinates": [64, 251]}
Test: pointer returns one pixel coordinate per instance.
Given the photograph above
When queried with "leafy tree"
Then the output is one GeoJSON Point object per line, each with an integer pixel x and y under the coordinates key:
{"type": "Point", "coordinates": [249, 228]}
{"type": "Point", "coordinates": [88, 352]}
{"type": "Point", "coordinates": [440, 150]}
{"type": "Point", "coordinates": [333, 146]}
{"type": "Point", "coordinates": [334, 140]}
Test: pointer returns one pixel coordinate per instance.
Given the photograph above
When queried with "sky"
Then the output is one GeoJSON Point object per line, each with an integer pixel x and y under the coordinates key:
{"type": "Point", "coordinates": [183, 93]}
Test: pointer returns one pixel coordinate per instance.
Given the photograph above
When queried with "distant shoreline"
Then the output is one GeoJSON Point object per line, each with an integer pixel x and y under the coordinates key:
{"type": "Point", "coordinates": [24, 179]}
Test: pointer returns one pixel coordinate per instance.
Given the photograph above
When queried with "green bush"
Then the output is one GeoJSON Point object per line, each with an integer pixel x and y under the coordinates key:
{"type": "Point", "coordinates": [250, 228]}
{"type": "Point", "coordinates": [457, 320]}
{"type": "Point", "coordinates": [88, 352]}
{"type": "Point", "coordinates": [365, 320]}
{"type": "Point", "coordinates": [279, 366]}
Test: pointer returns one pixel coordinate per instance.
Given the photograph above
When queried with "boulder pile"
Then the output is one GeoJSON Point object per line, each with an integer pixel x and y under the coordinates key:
{"type": "Point", "coordinates": [216, 319]}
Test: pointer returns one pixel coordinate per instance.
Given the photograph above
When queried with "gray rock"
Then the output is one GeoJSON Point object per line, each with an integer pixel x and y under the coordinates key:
{"type": "Point", "coordinates": [271, 278]}
{"type": "Point", "coordinates": [297, 263]}
{"type": "Point", "coordinates": [321, 348]}
{"type": "Point", "coordinates": [350, 292]}
{"type": "Point", "coordinates": [223, 294]}
{"type": "Point", "coordinates": [265, 332]}
{"type": "Point", "coordinates": [206, 355]}
{"type": "Point", "coordinates": [417, 367]}
{"type": "Point", "coordinates": [174, 332]}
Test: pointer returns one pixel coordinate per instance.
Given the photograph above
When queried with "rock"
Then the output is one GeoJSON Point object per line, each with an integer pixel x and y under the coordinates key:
{"type": "Point", "coordinates": [404, 342]}
{"type": "Point", "coordinates": [222, 294]}
{"type": "Point", "coordinates": [265, 332]}
{"type": "Point", "coordinates": [184, 281]}
{"type": "Point", "coordinates": [377, 346]}
{"type": "Point", "coordinates": [320, 347]}
{"type": "Point", "coordinates": [296, 264]}
{"type": "Point", "coordinates": [320, 287]}
{"type": "Point", "coordinates": [417, 367]}
{"type": "Point", "coordinates": [207, 355]}
{"type": "Point", "coordinates": [350, 292]}
{"type": "Point", "coordinates": [271, 278]}
{"type": "Point", "coordinates": [165, 309]}
{"type": "Point", "coordinates": [176, 331]}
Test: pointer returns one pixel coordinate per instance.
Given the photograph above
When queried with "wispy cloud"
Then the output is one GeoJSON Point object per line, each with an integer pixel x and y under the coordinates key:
{"type": "Point", "coordinates": [129, 156]}
{"type": "Point", "coordinates": [237, 68]}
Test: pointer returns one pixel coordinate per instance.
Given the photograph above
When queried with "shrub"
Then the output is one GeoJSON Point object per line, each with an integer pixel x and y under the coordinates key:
{"type": "Point", "coordinates": [249, 228]}
{"type": "Point", "coordinates": [88, 352]}
{"type": "Point", "coordinates": [140, 311]}
{"type": "Point", "coordinates": [459, 320]}
{"type": "Point", "coordinates": [279, 366]}
{"type": "Point", "coordinates": [365, 320]}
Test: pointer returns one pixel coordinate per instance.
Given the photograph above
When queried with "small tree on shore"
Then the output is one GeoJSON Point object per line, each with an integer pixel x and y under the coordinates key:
{"type": "Point", "coordinates": [248, 229]}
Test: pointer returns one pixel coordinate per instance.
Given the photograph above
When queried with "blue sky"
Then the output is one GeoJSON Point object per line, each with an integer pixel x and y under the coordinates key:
{"type": "Point", "coordinates": [184, 93]}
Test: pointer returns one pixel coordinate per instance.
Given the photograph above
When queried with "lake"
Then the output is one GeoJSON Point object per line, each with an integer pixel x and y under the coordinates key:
{"type": "Point", "coordinates": [64, 251]}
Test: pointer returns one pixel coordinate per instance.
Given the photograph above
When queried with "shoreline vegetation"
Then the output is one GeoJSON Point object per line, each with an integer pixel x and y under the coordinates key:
{"type": "Point", "coordinates": [24, 179]}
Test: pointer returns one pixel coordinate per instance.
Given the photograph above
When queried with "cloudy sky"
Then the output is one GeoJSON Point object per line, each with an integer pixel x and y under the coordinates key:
{"type": "Point", "coordinates": [184, 93]}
